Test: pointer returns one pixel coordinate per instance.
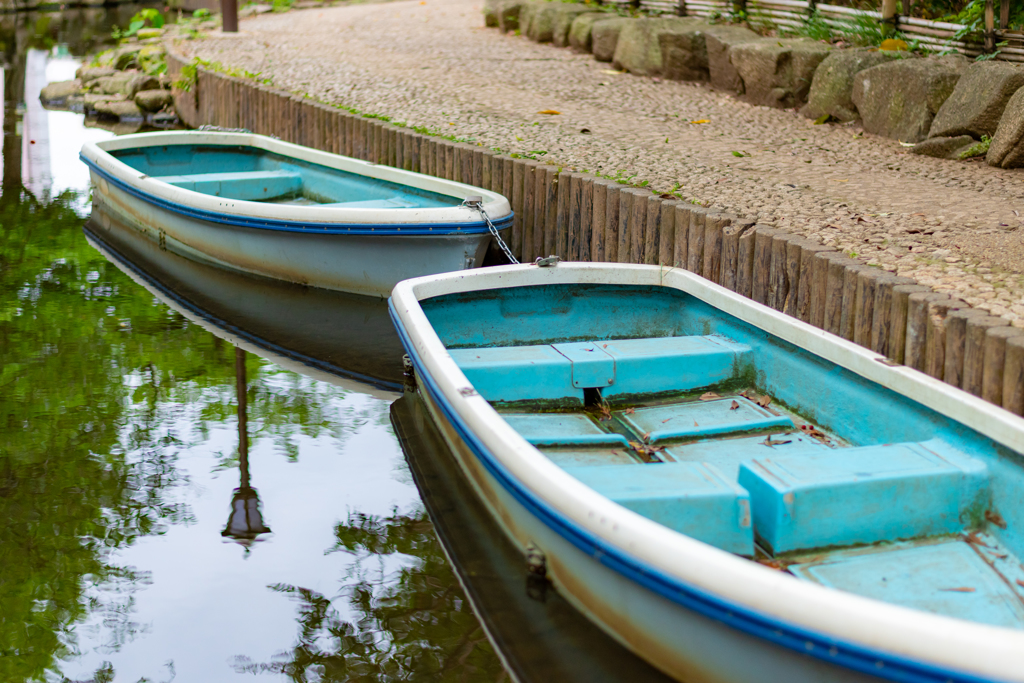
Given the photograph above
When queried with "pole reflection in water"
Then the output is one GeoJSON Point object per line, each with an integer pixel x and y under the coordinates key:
{"type": "Point", "coordinates": [245, 523]}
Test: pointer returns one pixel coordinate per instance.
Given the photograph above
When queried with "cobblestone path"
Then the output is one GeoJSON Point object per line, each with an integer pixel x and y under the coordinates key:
{"type": "Point", "coordinates": [956, 226]}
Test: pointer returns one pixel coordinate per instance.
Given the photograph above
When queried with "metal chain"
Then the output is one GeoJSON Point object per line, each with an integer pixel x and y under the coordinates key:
{"type": "Point", "coordinates": [478, 204]}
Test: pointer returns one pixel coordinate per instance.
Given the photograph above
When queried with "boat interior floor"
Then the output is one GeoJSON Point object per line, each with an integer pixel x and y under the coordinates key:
{"type": "Point", "coordinates": [666, 428]}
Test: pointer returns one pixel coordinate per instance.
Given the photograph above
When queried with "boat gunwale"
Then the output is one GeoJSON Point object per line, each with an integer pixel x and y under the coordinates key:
{"type": "Point", "coordinates": [451, 220]}
{"type": "Point", "coordinates": [842, 628]}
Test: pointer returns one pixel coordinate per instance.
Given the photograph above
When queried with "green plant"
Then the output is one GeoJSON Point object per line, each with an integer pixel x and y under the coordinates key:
{"type": "Point", "coordinates": [150, 15]}
{"type": "Point", "coordinates": [282, 5]}
{"type": "Point", "coordinates": [202, 14]}
{"type": "Point", "coordinates": [977, 149]}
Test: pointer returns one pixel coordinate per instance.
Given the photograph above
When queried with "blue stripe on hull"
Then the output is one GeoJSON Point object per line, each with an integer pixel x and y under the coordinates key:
{"type": "Point", "coordinates": [396, 230]}
{"type": "Point", "coordinates": [846, 655]}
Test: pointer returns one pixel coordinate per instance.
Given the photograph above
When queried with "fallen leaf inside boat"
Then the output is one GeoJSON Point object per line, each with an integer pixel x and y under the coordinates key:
{"type": "Point", "coordinates": [550, 112]}
{"type": "Point", "coordinates": [666, 420]}
{"type": "Point", "coordinates": [975, 539]}
{"type": "Point", "coordinates": [606, 413]}
{"type": "Point", "coordinates": [1020, 583]}
{"type": "Point", "coordinates": [628, 411]}
{"type": "Point", "coordinates": [959, 589]}
{"type": "Point", "coordinates": [735, 405]}
{"type": "Point", "coordinates": [995, 518]}
{"type": "Point", "coordinates": [764, 401]}
{"type": "Point", "coordinates": [647, 435]}
{"type": "Point", "coordinates": [709, 396]}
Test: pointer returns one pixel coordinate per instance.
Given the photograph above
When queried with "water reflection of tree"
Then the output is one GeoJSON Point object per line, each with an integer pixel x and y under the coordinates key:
{"type": "Point", "coordinates": [416, 625]}
{"type": "Point", "coordinates": [98, 385]}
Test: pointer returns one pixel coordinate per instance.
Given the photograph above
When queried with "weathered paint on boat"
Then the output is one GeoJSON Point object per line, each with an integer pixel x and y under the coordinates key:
{"type": "Point", "coordinates": [363, 228]}
{"type": "Point", "coordinates": [693, 610]}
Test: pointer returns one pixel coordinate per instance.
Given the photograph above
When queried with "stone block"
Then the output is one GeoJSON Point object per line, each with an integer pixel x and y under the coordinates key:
{"type": "Point", "coordinates": [978, 100]}
{"type": "Point", "coordinates": [832, 86]}
{"type": "Point", "coordinates": [899, 99]}
{"type": "Point", "coordinates": [580, 33]}
{"type": "Point", "coordinates": [721, 72]}
{"type": "Point", "coordinates": [639, 47]}
{"type": "Point", "coordinates": [91, 73]}
{"type": "Point", "coordinates": [509, 14]}
{"type": "Point", "coordinates": [139, 82]}
{"type": "Point", "coordinates": [1007, 147]}
{"type": "Point", "coordinates": [778, 73]}
{"type": "Point", "coordinates": [58, 93]}
{"type": "Point", "coordinates": [565, 15]}
{"type": "Point", "coordinates": [605, 37]}
{"type": "Point", "coordinates": [123, 109]}
{"type": "Point", "coordinates": [944, 148]}
{"type": "Point", "coordinates": [116, 84]}
{"type": "Point", "coordinates": [153, 100]}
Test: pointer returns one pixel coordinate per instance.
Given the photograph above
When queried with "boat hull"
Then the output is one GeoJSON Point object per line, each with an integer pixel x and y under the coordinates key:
{"type": "Point", "coordinates": [681, 642]}
{"type": "Point", "coordinates": [364, 264]}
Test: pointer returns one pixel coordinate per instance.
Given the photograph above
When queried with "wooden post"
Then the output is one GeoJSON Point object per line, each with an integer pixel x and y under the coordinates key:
{"type": "Point", "coordinates": [794, 252]}
{"type": "Point", "coordinates": [808, 282]}
{"type": "Point", "coordinates": [529, 188]}
{"type": "Point", "coordinates": [990, 26]}
{"type": "Point", "coordinates": [889, 17]}
{"type": "Point", "coordinates": [575, 215]}
{"type": "Point", "coordinates": [481, 160]}
{"type": "Point", "coordinates": [864, 305]}
{"type": "Point", "coordinates": [550, 211]}
{"type": "Point", "coordinates": [897, 346]}
{"type": "Point", "coordinates": [995, 362]}
{"type": "Point", "coordinates": [881, 325]}
{"type": "Point", "coordinates": [229, 16]}
{"type": "Point", "coordinates": [819, 287]}
{"type": "Point", "coordinates": [540, 208]}
{"type": "Point", "coordinates": [935, 337]}
{"type": "Point", "coordinates": [562, 221]}
{"type": "Point", "coordinates": [638, 225]}
{"type": "Point", "coordinates": [745, 262]}
{"type": "Point", "coordinates": [599, 217]}
{"type": "Point", "coordinates": [653, 228]}
{"type": "Point", "coordinates": [667, 243]}
{"type": "Point", "coordinates": [731, 254]}
{"type": "Point", "coordinates": [832, 320]}
{"type": "Point", "coordinates": [974, 351]}
{"type": "Point", "coordinates": [586, 217]}
{"type": "Point", "coordinates": [714, 224]}
{"type": "Point", "coordinates": [1013, 376]}
{"type": "Point", "coordinates": [695, 241]}
{"type": "Point", "coordinates": [917, 327]}
{"type": "Point", "coordinates": [762, 264]}
{"type": "Point", "coordinates": [518, 182]}
{"type": "Point", "coordinates": [847, 326]}
{"type": "Point", "coordinates": [680, 247]}
{"type": "Point", "coordinates": [625, 211]}
{"type": "Point", "coordinates": [611, 228]}
{"type": "Point", "coordinates": [956, 343]}
{"type": "Point", "coordinates": [778, 284]}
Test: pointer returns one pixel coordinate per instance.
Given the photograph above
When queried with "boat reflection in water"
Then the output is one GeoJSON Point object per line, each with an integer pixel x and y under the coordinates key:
{"type": "Point", "coordinates": [343, 339]}
{"type": "Point", "coordinates": [539, 635]}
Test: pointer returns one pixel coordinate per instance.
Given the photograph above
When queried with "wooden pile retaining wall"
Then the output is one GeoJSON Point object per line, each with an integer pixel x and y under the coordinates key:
{"type": "Point", "coordinates": [581, 217]}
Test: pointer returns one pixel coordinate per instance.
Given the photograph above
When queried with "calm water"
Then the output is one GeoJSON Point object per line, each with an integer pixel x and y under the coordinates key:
{"type": "Point", "coordinates": [200, 479]}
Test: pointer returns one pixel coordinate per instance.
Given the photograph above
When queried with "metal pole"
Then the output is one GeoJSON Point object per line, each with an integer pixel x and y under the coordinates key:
{"type": "Point", "coordinates": [241, 392]}
{"type": "Point", "coordinates": [229, 16]}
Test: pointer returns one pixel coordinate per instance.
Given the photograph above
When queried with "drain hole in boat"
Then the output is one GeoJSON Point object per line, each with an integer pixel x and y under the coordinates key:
{"type": "Point", "coordinates": [592, 397]}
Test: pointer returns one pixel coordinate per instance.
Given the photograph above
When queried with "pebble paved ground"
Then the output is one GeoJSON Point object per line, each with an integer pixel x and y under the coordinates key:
{"type": "Point", "coordinates": [956, 226]}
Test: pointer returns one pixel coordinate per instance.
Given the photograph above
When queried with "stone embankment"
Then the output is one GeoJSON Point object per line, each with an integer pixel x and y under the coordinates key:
{"type": "Point", "coordinates": [126, 84]}
{"type": "Point", "coordinates": [950, 107]}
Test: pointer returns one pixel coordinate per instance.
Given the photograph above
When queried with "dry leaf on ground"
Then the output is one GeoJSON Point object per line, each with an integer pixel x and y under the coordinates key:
{"type": "Point", "coordinates": [709, 396]}
{"type": "Point", "coordinates": [735, 405]}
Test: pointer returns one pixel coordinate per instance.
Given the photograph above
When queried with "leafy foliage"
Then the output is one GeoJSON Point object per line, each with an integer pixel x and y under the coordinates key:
{"type": "Point", "coordinates": [419, 627]}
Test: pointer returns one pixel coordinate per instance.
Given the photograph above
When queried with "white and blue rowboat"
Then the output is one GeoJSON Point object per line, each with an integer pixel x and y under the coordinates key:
{"type": "Point", "coordinates": [734, 495]}
{"type": "Point", "coordinates": [278, 210]}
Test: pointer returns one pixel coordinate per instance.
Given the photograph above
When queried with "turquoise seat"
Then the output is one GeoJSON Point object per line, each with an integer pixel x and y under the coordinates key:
{"type": "Point", "coordinates": [690, 497]}
{"type": "Point", "coordinates": [563, 429]}
{"type": "Point", "coordinates": [243, 185]}
{"type": "Point", "coordinates": [702, 419]}
{"type": "Point", "coordinates": [617, 367]}
{"type": "Point", "coordinates": [864, 495]}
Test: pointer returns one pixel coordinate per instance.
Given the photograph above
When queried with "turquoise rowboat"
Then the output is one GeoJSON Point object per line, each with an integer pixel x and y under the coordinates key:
{"type": "Point", "coordinates": [732, 494]}
{"type": "Point", "coordinates": [278, 210]}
